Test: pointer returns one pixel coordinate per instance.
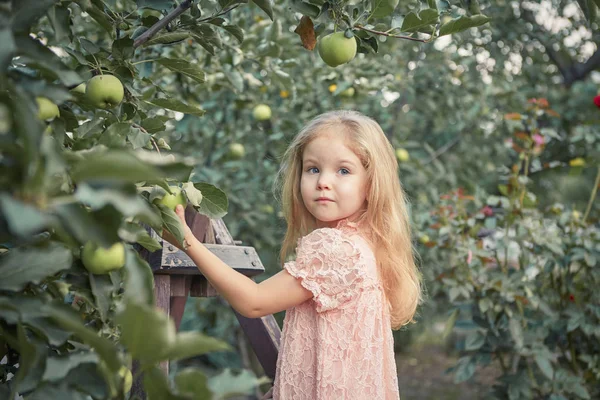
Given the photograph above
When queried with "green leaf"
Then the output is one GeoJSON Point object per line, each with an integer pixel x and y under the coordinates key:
{"type": "Point", "coordinates": [235, 31]}
{"type": "Point", "coordinates": [97, 14]}
{"type": "Point", "coordinates": [102, 289]}
{"type": "Point", "coordinates": [57, 368]}
{"type": "Point", "coordinates": [516, 331]}
{"type": "Point", "coordinates": [156, 386]}
{"type": "Point", "coordinates": [226, 385]}
{"type": "Point", "coordinates": [21, 266]}
{"type": "Point", "coordinates": [413, 23]}
{"type": "Point", "coordinates": [171, 222]}
{"type": "Point", "coordinates": [307, 9]}
{"type": "Point", "coordinates": [56, 391]}
{"type": "Point", "coordinates": [82, 225]}
{"type": "Point", "coordinates": [138, 138]}
{"type": "Point", "coordinates": [474, 340]}
{"type": "Point", "coordinates": [26, 12]}
{"type": "Point", "coordinates": [184, 67]}
{"type": "Point", "coordinates": [176, 105]}
{"type": "Point", "coordinates": [40, 57]}
{"type": "Point", "coordinates": [133, 233]}
{"type": "Point", "coordinates": [153, 124]}
{"type": "Point", "coordinates": [68, 318]}
{"type": "Point", "coordinates": [544, 364]}
{"type": "Point", "coordinates": [191, 344]}
{"type": "Point", "coordinates": [463, 23]}
{"type": "Point", "coordinates": [155, 4]}
{"type": "Point", "coordinates": [265, 5]}
{"type": "Point", "coordinates": [32, 361]}
{"type": "Point", "coordinates": [22, 219]}
{"type": "Point", "coordinates": [450, 323]}
{"type": "Point", "coordinates": [193, 195]}
{"type": "Point", "coordinates": [60, 19]}
{"type": "Point", "coordinates": [193, 382]}
{"type": "Point", "coordinates": [214, 200]}
{"type": "Point", "coordinates": [147, 332]}
{"type": "Point", "coordinates": [382, 8]}
{"type": "Point", "coordinates": [125, 199]}
{"type": "Point", "coordinates": [465, 369]}
{"type": "Point", "coordinates": [122, 49]}
{"type": "Point", "coordinates": [139, 280]}
{"type": "Point", "coordinates": [7, 49]}
{"type": "Point", "coordinates": [168, 38]}
{"type": "Point", "coordinates": [118, 166]}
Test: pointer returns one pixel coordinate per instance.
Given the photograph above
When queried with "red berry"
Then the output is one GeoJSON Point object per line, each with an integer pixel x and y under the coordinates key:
{"type": "Point", "coordinates": [597, 101]}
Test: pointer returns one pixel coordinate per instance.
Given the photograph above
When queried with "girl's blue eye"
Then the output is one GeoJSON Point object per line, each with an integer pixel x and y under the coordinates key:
{"type": "Point", "coordinates": [313, 168]}
{"type": "Point", "coordinates": [344, 171]}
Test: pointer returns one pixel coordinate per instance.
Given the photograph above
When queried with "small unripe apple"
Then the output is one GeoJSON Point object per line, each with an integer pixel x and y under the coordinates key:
{"type": "Point", "coordinates": [402, 155]}
{"type": "Point", "coordinates": [173, 200]}
{"type": "Point", "coordinates": [261, 112]}
{"type": "Point", "coordinates": [348, 92]}
{"type": "Point", "coordinates": [47, 110]}
{"type": "Point", "coordinates": [105, 91]}
{"type": "Point", "coordinates": [99, 260]}
{"type": "Point", "coordinates": [236, 151]}
{"type": "Point", "coordinates": [424, 239]}
{"type": "Point", "coordinates": [336, 49]}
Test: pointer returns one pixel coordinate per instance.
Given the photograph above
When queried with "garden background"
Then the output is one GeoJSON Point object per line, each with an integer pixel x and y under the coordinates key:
{"type": "Point", "coordinates": [492, 105]}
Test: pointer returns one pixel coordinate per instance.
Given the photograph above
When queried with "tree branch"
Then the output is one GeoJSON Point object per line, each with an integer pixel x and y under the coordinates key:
{"type": "Point", "coordinates": [443, 149]}
{"type": "Point", "coordinates": [390, 35]}
{"type": "Point", "coordinates": [571, 71]}
{"type": "Point", "coordinates": [154, 29]}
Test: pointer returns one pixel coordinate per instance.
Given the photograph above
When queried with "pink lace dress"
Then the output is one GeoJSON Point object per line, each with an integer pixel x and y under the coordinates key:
{"type": "Point", "coordinates": [339, 344]}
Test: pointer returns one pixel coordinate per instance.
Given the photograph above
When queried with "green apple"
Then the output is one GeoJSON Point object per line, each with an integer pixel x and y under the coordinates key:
{"type": "Point", "coordinates": [424, 239]}
{"type": "Point", "coordinates": [125, 374]}
{"type": "Point", "coordinates": [267, 208]}
{"type": "Point", "coordinates": [99, 260]}
{"type": "Point", "coordinates": [402, 154]}
{"type": "Point", "coordinates": [261, 112]}
{"type": "Point", "coordinates": [105, 91]}
{"type": "Point", "coordinates": [348, 92]}
{"type": "Point", "coordinates": [173, 200]}
{"type": "Point", "coordinates": [236, 151]}
{"type": "Point", "coordinates": [79, 88]}
{"type": "Point", "coordinates": [336, 49]}
{"type": "Point", "coordinates": [47, 110]}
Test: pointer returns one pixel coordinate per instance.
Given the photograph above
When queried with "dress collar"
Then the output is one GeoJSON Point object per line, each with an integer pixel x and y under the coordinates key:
{"type": "Point", "coordinates": [345, 224]}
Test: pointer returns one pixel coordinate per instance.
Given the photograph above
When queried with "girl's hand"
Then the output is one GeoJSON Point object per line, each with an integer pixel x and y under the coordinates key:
{"type": "Point", "coordinates": [188, 236]}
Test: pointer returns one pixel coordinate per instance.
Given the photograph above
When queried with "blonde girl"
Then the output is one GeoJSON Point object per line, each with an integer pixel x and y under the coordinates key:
{"type": "Point", "coordinates": [353, 278]}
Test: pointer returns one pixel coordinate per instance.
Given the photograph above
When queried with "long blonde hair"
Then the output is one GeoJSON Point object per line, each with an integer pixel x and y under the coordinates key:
{"type": "Point", "coordinates": [385, 219]}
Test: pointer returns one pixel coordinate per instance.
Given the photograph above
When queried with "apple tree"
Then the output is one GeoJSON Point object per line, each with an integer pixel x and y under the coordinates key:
{"type": "Point", "coordinates": [113, 111]}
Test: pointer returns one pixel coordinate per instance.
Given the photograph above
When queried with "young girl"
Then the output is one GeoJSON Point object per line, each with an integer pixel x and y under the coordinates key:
{"type": "Point", "coordinates": [353, 279]}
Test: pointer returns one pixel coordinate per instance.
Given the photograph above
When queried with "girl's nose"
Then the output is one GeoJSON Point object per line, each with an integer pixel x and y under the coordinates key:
{"type": "Point", "coordinates": [323, 182]}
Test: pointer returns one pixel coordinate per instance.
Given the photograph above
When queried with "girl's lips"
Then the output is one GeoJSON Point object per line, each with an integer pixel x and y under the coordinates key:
{"type": "Point", "coordinates": [323, 199]}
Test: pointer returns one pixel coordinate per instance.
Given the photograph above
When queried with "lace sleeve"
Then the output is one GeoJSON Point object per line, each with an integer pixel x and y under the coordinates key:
{"type": "Point", "coordinates": [327, 264]}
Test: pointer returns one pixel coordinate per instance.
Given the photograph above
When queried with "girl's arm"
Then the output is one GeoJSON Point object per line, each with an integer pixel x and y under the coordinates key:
{"type": "Point", "coordinates": [280, 292]}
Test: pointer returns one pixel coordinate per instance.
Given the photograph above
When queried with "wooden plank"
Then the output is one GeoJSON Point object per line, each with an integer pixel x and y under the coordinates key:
{"type": "Point", "coordinates": [162, 299]}
{"type": "Point", "coordinates": [180, 290]}
{"type": "Point", "coordinates": [243, 259]}
{"type": "Point", "coordinates": [202, 288]}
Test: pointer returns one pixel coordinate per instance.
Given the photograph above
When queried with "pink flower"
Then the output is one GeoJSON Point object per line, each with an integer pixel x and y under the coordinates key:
{"type": "Point", "coordinates": [487, 211]}
{"type": "Point", "coordinates": [538, 139]}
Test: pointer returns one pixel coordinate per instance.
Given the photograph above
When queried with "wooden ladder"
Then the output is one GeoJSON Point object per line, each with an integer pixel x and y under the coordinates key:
{"type": "Point", "coordinates": [176, 277]}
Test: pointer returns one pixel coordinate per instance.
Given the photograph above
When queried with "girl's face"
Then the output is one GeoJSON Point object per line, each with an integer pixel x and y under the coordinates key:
{"type": "Point", "coordinates": [333, 182]}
